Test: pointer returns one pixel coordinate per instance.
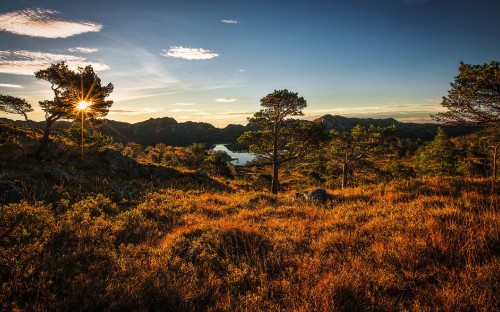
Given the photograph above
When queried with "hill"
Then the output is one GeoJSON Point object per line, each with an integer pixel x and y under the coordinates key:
{"type": "Point", "coordinates": [404, 130]}
{"type": "Point", "coordinates": [170, 132]}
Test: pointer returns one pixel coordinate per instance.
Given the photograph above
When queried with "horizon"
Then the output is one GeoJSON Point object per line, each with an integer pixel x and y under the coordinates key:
{"type": "Point", "coordinates": [213, 62]}
{"type": "Point", "coordinates": [9, 117]}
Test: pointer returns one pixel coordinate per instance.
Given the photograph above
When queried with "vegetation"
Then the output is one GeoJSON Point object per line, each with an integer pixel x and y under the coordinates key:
{"type": "Point", "coordinates": [280, 140]}
{"type": "Point", "coordinates": [70, 88]}
{"type": "Point", "coordinates": [355, 148]}
{"type": "Point", "coordinates": [13, 105]}
{"type": "Point", "coordinates": [404, 225]}
{"type": "Point", "coordinates": [422, 245]}
{"type": "Point", "coordinates": [474, 97]}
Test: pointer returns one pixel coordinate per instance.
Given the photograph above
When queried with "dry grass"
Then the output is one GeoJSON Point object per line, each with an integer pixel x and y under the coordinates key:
{"type": "Point", "coordinates": [420, 245]}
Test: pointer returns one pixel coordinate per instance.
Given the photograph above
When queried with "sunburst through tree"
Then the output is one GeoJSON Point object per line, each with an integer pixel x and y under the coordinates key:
{"type": "Point", "coordinates": [71, 88]}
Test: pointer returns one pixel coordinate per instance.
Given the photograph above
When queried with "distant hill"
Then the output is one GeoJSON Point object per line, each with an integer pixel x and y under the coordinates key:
{"type": "Point", "coordinates": [170, 132]}
{"type": "Point", "coordinates": [160, 130]}
{"type": "Point", "coordinates": [406, 130]}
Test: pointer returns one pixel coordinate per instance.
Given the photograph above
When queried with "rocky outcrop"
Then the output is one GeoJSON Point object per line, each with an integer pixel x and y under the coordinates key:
{"type": "Point", "coordinates": [120, 163]}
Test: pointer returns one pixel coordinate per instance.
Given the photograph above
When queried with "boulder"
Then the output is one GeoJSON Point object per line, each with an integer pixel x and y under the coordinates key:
{"type": "Point", "coordinates": [317, 196]}
{"type": "Point", "coordinates": [9, 192]}
{"type": "Point", "coordinates": [121, 163]}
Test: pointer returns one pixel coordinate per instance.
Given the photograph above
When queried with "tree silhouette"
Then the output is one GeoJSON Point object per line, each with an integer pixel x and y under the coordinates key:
{"type": "Point", "coordinates": [13, 105]}
{"type": "Point", "coordinates": [71, 87]}
{"type": "Point", "coordinates": [474, 98]}
{"type": "Point", "coordinates": [281, 140]}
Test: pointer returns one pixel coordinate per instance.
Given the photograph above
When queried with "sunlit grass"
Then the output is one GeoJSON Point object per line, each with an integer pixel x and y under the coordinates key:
{"type": "Point", "coordinates": [424, 245]}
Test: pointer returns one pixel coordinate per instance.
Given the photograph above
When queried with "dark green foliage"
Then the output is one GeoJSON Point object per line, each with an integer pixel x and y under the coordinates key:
{"type": "Point", "coordinates": [474, 98]}
{"type": "Point", "coordinates": [281, 140]}
{"type": "Point", "coordinates": [357, 149]}
{"type": "Point", "coordinates": [217, 164]}
{"type": "Point", "coordinates": [270, 143]}
{"type": "Point", "coordinates": [93, 140]}
{"type": "Point", "coordinates": [438, 158]}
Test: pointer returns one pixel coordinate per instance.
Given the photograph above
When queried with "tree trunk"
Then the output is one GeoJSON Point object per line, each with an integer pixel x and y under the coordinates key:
{"type": "Point", "coordinates": [30, 125]}
{"type": "Point", "coordinates": [495, 157]}
{"type": "Point", "coordinates": [275, 184]}
{"type": "Point", "coordinates": [344, 175]}
{"type": "Point", "coordinates": [45, 137]}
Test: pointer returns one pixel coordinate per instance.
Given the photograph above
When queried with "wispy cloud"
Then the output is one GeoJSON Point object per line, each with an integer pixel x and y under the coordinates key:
{"type": "Point", "coordinates": [8, 85]}
{"type": "Point", "coordinates": [184, 104]}
{"type": "Point", "coordinates": [133, 111]}
{"type": "Point", "coordinates": [189, 53]}
{"type": "Point", "coordinates": [24, 62]}
{"type": "Point", "coordinates": [230, 21]}
{"type": "Point", "coordinates": [242, 70]}
{"type": "Point", "coordinates": [43, 23]}
{"type": "Point", "coordinates": [226, 100]}
{"type": "Point", "coordinates": [182, 110]}
{"type": "Point", "coordinates": [83, 50]}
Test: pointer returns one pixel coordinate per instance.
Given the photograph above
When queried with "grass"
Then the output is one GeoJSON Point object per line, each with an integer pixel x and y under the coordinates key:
{"type": "Point", "coordinates": [419, 245]}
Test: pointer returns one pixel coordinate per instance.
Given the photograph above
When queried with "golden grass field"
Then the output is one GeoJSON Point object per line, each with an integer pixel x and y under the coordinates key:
{"type": "Point", "coordinates": [414, 245]}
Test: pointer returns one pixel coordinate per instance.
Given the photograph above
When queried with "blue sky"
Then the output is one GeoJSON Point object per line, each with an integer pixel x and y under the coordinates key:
{"type": "Point", "coordinates": [212, 61]}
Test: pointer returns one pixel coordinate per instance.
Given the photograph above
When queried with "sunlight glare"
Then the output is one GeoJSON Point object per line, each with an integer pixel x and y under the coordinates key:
{"type": "Point", "coordinates": [82, 105]}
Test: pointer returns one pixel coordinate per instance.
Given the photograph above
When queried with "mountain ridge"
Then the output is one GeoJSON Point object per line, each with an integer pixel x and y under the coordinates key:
{"type": "Point", "coordinates": [169, 131]}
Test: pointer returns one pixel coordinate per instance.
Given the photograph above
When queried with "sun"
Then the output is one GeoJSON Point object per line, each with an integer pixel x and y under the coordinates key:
{"type": "Point", "coordinates": [82, 105]}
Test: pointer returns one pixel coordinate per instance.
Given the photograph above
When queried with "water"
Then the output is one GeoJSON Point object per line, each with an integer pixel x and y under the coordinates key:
{"type": "Point", "coordinates": [240, 159]}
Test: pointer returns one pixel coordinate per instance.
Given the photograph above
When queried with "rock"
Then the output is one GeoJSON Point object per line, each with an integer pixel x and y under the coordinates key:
{"type": "Point", "coordinates": [317, 196]}
{"type": "Point", "coordinates": [9, 192]}
{"type": "Point", "coordinates": [121, 163]}
{"type": "Point", "coordinates": [59, 174]}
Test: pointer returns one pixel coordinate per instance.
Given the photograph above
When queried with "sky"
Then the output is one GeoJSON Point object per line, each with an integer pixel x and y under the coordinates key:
{"type": "Point", "coordinates": [212, 61]}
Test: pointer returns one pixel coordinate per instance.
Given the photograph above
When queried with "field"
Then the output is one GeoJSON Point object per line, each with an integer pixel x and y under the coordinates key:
{"type": "Point", "coordinates": [414, 245]}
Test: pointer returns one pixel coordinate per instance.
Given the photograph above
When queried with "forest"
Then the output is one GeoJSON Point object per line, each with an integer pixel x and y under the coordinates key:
{"type": "Point", "coordinates": [326, 218]}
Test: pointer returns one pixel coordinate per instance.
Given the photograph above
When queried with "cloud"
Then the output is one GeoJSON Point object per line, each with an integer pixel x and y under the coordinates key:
{"type": "Point", "coordinates": [189, 53]}
{"type": "Point", "coordinates": [42, 23]}
{"type": "Point", "coordinates": [24, 62]}
{"type": "Point", "coordinates": [242, 70]}
{"type": "Point", "coordinates": [226, 100]}
{"type": "Point", "coordinates": [181, 110]}
{"type": "Point", "coordinates": [184, 104]}
{"type": "Point", "coordinates": [8, 85]}
{"type": "Point", "coordinates": [83, 50]}
{"type": "Point", "coordinates": [230, 21]}
{"type": "Point", "coordinates": [133, 111]}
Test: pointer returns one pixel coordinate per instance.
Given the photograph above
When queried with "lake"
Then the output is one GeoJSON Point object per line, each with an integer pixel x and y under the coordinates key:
{"type": "Point", "coordinates": [240, 158]}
